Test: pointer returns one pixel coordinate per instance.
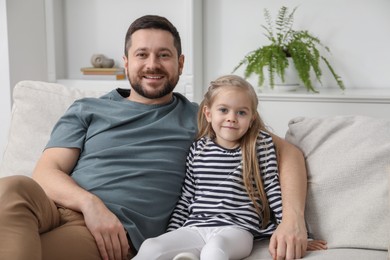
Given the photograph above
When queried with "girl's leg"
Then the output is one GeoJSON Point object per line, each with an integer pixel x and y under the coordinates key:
{"type": "Point", "coordinates": [168, 245]}
{"type": "Point", "coordinates": [228, 243]}
{"type": "Point", "coordinates": [25, 212]}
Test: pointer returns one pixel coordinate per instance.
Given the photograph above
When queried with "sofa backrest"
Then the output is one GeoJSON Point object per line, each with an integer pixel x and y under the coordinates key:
{"type": "Point", "coordinates": [36, 108]}
{"type": "Point", "coordinates": [347, 159]}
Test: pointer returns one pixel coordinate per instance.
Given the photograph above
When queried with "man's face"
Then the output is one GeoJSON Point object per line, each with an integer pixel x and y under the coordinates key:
{"type": "Point", "coordinates": [153, 66]}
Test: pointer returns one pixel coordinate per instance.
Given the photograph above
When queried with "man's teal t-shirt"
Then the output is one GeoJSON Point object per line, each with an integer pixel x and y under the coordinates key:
{"type": "Point", "coordinates": [132, 155]}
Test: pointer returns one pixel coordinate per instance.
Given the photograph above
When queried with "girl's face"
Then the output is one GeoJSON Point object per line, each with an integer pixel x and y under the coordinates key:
{"type": "Point", "coordinates": [230, 116]}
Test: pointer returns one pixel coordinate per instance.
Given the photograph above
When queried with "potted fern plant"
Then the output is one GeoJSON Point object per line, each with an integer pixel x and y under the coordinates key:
{"type": "Point", "coordinates": [287, 46]}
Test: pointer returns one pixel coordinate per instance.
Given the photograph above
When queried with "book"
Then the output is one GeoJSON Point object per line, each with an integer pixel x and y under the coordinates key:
{"type": "Point", "coordinates": [104, 77]}
{"type": "Point", "coordinates": [103, 71]}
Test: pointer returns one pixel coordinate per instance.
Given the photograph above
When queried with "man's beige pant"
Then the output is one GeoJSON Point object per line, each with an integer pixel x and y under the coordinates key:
{"type": "Point", "coordinates": [32, 227]}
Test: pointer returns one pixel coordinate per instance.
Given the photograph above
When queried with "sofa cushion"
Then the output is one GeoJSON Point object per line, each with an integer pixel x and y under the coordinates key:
{"type": "Point", "coordinates": [347, 197]}
{"type": "Point", "coordinates": [260, 252]}
{"type": "Point", "coordinates": [36, 108]}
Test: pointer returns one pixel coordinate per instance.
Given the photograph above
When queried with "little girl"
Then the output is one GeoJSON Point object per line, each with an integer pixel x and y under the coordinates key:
{"type": "Point", "coordinates": [231, 193]}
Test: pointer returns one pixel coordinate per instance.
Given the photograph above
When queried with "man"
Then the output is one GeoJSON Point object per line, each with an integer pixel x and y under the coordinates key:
{"type": "Point", "coordinates": [112, 170]}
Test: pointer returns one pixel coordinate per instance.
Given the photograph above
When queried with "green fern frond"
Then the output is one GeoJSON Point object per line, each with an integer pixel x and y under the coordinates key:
{"type": "Point", "coordinates": [340, 83]}
{"type": "Point", "coordinates": [269, 34]}
{"type": "Point", "coordinates": [269, 27]}
{"type": "Point", "coordinates": [285, 29]}
{"type": "Point", "coordinates": [280, 24]}
{"type": "Point", "coordinates": [301, 46]}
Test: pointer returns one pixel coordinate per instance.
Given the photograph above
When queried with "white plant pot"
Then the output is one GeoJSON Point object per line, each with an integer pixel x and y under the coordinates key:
{"type": "Point", "coordinates": [291, 79]}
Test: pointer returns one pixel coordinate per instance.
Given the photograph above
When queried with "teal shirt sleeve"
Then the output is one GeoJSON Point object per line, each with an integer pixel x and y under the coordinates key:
{"type": "Point", "coordinates": [70, 131]}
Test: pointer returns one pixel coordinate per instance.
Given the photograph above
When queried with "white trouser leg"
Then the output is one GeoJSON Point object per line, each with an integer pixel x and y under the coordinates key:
{"type": "Point", "coordinates": [168, 245]}
{"type": "Point", "coordinates": [227, 243]}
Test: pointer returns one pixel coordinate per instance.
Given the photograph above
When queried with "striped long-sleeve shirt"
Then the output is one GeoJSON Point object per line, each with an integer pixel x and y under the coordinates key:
{"type": "Point", "coordinates": [214, 194]}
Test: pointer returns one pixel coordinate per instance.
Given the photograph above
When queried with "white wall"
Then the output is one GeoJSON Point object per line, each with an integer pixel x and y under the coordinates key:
{"type": "Point", "coordinates": [5, 95]}
{"type": "Point", "coordinates": [27, 40]}
{"type": "Point", "coordinates": [356, 31]}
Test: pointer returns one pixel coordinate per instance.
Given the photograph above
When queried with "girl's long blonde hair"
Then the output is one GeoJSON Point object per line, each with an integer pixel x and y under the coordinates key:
{"type": "Point", "coordinates": [250, 164]}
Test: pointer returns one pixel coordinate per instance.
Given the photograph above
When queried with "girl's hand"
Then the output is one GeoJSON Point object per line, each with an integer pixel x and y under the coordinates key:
{"type": "Point", "coordinates": [314, 245]}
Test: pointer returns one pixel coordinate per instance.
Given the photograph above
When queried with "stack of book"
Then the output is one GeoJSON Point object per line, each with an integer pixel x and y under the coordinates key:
{"type": "Point", "coordinates": [103, 73]}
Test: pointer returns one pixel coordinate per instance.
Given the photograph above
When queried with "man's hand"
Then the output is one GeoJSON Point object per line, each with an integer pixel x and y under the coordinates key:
{"type": "Point", "coordinates": [52, 173]}
{"type": "Point", "coordinates": [107, 230]}
{"type": "Point", "coordinates": [289, 241]}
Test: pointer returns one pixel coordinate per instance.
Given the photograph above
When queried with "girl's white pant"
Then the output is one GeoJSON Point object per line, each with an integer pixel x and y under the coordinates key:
{"type": "Point", "coordinates": [209, 243]}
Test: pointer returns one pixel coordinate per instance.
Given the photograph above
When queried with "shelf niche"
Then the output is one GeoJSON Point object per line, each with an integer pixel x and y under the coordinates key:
{"type": "Point", "coordinates": [77, 29]}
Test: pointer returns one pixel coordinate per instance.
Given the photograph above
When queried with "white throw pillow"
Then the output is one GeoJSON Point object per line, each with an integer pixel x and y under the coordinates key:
{"type": "Point", "coordinates": [346, 159]}
{"type": "Point", "coordinates": [36, 108]}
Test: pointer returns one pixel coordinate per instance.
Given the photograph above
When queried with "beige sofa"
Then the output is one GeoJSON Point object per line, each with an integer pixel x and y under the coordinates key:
{"type": "Point", "coordinates": [348, 160]}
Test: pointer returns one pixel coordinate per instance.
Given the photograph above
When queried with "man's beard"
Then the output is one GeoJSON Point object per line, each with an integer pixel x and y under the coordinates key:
{"type": "Point", "coordinates": [167, 89]}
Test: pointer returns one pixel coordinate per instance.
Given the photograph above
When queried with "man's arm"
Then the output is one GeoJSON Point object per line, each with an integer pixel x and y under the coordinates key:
{"type": "Point", "coordinates": [289, 240]}
{"type": "Point", "coordinates": [52, 173]}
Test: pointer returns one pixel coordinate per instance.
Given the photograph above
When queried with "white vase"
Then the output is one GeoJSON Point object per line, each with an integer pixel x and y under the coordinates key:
{"type": "Point", "coordinates": [291, 78]}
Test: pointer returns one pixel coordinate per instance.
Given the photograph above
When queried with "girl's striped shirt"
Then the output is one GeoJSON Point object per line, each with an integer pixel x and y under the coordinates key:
{"type": "Point", "coordinates": [214, 194]}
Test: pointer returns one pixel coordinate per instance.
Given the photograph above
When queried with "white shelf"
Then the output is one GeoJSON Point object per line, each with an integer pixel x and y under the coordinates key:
{"type": "Point", "coordinates": [278, 108]}
{"type": "Point", "coordinates": [366, 95]}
